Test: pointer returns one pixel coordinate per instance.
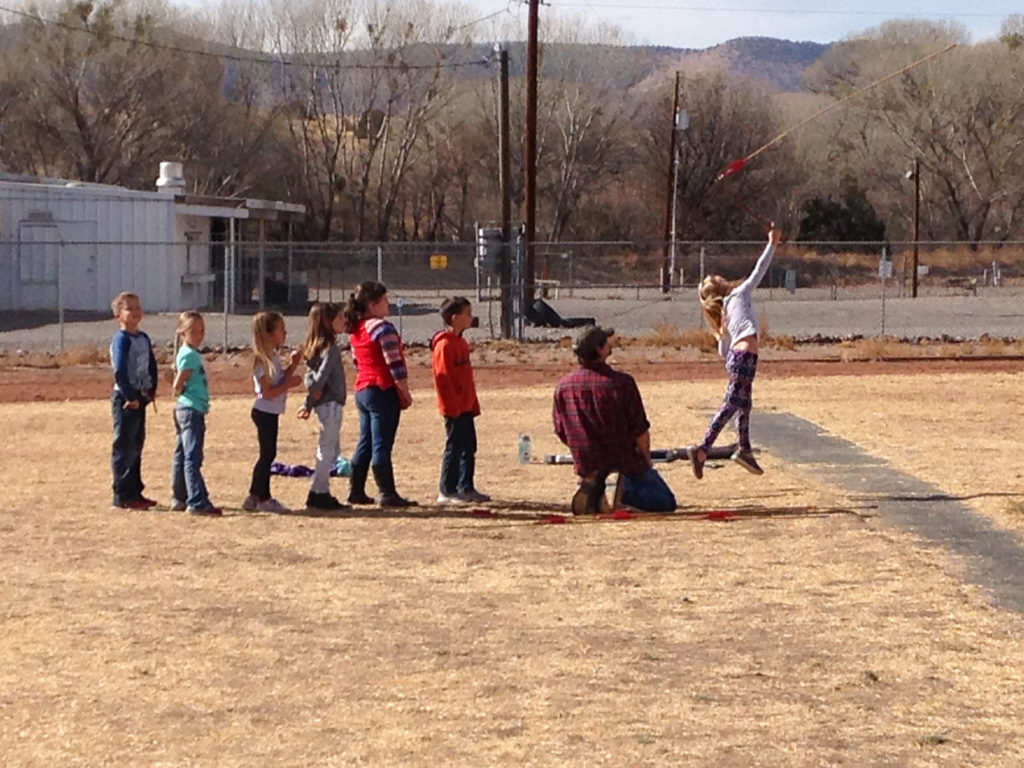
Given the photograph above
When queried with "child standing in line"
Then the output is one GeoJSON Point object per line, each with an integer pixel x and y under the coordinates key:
{"type": "Point", "coordinates": [272, 380]}
{"type": "Point", "coordinates": [382, 392]}
{"type": "Point", "coordinates": [131, 356]}
{"type": "Point", "coordinates": [325, 384]}
{"type": "Point", "coordinates": [187, 484]}
{"type": "Point", "coordinates": [458, 403]}
{"type": "Point", "coordinates": [729, 311]}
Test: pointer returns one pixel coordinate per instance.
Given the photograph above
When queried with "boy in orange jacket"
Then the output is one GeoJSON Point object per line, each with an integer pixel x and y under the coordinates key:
{"type": "Point", "coordinates": [457, 401]}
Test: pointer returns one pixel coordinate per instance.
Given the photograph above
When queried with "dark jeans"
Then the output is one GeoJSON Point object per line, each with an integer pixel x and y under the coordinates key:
{"type": "Point", "coordinates": [187, 484]}
{"type": "Point", "coordinates": [648, 492]}
{"type": "Point", "coordinates": [266, 433]}
{"type": "Point", "coordinates": [378, 424]}
{"type": "Point", "coordinates": [459, 460]}
{"type": "Point", "coordinates": [126, 453]}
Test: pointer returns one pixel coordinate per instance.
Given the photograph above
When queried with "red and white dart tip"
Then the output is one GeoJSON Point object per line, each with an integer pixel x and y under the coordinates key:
{"type": "Point", "coordinates": [734, 167]}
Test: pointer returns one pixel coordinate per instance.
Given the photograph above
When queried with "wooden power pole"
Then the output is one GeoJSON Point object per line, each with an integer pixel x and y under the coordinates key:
{"type": "Point", "coordinates": [530, 156]}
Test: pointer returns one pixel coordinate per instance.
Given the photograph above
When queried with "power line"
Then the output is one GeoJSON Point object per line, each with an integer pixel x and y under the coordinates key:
{"type": "Point", "coordinates": [778, 11]}
{"type": "Point", "coordinates": [277, 60]}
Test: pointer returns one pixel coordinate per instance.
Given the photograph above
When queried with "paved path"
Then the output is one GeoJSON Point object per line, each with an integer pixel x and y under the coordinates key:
{"type": "Point", "coordinates": [994, 558]}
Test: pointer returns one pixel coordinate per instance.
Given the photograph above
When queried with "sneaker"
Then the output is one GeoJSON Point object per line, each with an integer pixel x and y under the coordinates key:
{"type": "Point", "coordinates": [696, 462]}
{"type": "Point", "coordinates": [394, 501]}
{"type": "Point", "coordinates": [252, 502]}
{"type": "Point", "coordinates": [323, 501]}
{"type": "Point", "coordinates": [177, 506]}
{"type": "Point", "coordinates": [473, 496]}
{"type": "Point", "coordinates": [271, 505]}
{"type": "Point", "coordinates": [210, 511]}
{"type": "Point", "coordinates": [746, 460]}
{"type": "Point", "coordinates": [148, 502]}
{"type": "Point", "coordinates": [135, 504]}
{"type": "Point", "coordinates": [360, 498]}
{"type": "Point", "coordinates": [457, 498]}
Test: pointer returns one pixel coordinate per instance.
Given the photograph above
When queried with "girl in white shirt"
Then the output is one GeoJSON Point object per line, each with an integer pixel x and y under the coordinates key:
{"type": "Point", "coordinates": [729, 311]}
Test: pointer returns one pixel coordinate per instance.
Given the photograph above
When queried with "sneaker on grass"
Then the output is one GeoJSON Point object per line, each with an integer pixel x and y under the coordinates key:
{"type": "Point", "coordinates": [473, 496]}
{"type": "Point", "coordinates": [444, 498]}
{"type": "Point", "coordinates": [746, 460]}
{"type": "Point", "coordinates": [251, 503]}
{"type": "Point", "coordinates": [272, 505]}
{"type": "Point", "coordinates": [209, 511]}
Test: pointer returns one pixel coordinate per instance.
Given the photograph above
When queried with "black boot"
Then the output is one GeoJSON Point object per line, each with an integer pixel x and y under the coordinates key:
{"type": "Point", "coordinates": [384, 474]}
{"type": "Point", "coordinates": [357, 486]}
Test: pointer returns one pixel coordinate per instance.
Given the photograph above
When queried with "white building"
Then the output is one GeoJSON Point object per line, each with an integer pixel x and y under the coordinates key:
{"type": "Point", "coordinates": [71, 245]}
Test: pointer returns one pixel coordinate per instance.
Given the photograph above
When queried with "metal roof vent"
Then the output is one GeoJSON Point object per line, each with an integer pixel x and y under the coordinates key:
{"type": "Point", "coordinates": [172, 179]}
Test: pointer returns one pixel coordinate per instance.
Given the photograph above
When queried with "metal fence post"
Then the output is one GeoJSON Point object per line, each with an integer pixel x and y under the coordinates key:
{"type": "Point", "coordinates": [380, 264]}
{"type": "Point", "coordinates": [60, 293]}
{"type": "Point", "coordinates": [227, 289]}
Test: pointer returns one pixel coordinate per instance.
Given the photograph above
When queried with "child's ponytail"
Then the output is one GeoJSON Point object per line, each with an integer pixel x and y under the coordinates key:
{"type": "Point", "coordinates": [263, 326]}
{"type": "Point", "coordinates": [359, 301]}
{"type": "Point", "coordinates": [711, 306]}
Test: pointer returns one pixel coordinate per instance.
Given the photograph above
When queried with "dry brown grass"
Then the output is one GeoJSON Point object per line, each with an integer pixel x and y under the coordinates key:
{"type": "Point", "coordinates": [437, 639]}
{"type": "Point", "coordinates": [865, 349]}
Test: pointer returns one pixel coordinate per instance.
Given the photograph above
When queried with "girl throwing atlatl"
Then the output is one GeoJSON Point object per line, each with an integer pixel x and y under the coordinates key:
{"type": "Point", "coordinates": [729, 311]}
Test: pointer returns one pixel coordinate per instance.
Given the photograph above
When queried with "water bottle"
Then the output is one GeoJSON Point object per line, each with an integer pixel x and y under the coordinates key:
{"type": "Point", "coordinates": [525, 451]}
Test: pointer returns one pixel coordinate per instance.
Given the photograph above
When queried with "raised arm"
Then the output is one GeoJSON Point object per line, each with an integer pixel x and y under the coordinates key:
{"type": "Point", "coordinates": [763, 262]}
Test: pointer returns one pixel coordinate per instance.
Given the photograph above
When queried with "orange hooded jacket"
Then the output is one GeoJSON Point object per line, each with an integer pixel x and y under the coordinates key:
{"type": "Point", "coordinates": [453, 375]}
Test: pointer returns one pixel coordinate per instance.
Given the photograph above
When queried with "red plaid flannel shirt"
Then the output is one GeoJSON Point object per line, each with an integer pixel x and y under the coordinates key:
{"type": "Point", "coordinates": [598, 413]}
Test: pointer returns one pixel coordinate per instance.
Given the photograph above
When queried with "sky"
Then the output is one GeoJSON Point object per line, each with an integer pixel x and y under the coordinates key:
{"type": "Point", "coordinates": [703, 23]}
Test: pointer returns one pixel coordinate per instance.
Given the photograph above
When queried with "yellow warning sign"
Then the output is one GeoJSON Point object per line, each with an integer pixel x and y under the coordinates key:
{"type": "Point", "coordinates": [439, 261]}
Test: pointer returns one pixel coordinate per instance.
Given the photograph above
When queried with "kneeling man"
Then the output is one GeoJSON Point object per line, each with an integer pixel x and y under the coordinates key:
{"type": "Point", "coordinates": [599, 414]}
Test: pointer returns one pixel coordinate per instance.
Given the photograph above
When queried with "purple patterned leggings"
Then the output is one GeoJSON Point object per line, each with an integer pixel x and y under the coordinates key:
{"type": "Point", "coordinates": [739, 399]}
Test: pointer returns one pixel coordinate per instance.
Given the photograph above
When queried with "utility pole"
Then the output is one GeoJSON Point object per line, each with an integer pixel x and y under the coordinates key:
{"type": "Point", "coordinates": [666, 273]}
{"type": "Point", "coordinates": [504, 152]}
{"type": "Point", "coordinates": [530, 155]}
{"type": "Point", "coordinates": [917, 225]}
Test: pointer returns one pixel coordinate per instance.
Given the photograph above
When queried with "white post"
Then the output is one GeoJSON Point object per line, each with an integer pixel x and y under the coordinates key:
{"type": "Point", "coordinates": [60, 292]}
{"type": "Point", "coordinates": [290, 248]}
{"type": "Point", "coordinates": [380, 264]}
{"type": "Point", "coordinates": [263, 263]}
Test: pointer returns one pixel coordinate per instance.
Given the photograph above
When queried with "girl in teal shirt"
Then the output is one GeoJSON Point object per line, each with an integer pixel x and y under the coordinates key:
{"type": "Point", "coordinates": [188, 486]}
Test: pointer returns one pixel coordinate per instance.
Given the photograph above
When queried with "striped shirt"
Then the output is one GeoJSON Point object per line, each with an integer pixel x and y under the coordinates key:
{"type": "Point", "coordinates": [377, 354]}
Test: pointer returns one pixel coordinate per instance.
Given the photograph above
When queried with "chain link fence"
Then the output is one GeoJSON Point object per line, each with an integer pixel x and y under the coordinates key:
{"type": "Point", "coordinates": [57, 291]}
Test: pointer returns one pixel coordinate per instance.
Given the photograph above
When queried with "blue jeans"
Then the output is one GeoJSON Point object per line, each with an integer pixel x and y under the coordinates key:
{"type": "Point", "coordinates": [378, 424]}
{"type": "Point", "coordinates": [648, 492]}
{"type": "Point", "coordinates": [459, 460]}
{"type": "Point", "coordinates": [126, 452]}
{"type": "Point", "coordinates": [187, 483]}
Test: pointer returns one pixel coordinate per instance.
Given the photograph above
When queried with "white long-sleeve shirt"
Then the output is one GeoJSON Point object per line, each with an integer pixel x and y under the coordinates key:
{"type": "Point", "coordinates": [738, 305]}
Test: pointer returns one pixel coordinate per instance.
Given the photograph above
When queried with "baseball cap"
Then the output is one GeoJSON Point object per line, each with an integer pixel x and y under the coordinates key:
{"type": "Point", "coordinates": [589, 339]}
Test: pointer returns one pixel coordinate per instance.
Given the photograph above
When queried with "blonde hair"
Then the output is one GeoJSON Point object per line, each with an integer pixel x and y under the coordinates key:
{"type": "Point", "coordinates": [185, 321]}
{"type": "Point", "coordinates": [712, 293]}
{"type": "Point", "coordinates": [320, 328]}
{"type": "Point", "coordinates": [263, 349]}
{"type": "Point", "coordinates": [121, 299]}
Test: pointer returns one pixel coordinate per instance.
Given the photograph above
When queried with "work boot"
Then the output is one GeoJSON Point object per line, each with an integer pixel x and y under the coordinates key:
{"type": "Point", "coordinates": [384, 474]}
{"type": "Point", "coordinates": [357, 486]}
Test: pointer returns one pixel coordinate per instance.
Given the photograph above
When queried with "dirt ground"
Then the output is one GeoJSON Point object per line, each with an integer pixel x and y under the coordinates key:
{"type": "Point", "coordinates": [798, 632]}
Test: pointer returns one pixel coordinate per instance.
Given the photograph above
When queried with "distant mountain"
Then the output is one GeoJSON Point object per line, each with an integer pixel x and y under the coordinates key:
{"type": "Point", "coordinates": [779, 64]}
